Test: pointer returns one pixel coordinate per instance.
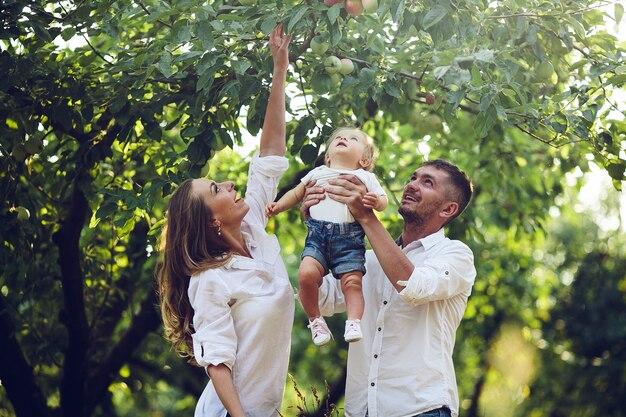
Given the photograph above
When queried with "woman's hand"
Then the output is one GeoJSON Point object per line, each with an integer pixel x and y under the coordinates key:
{"type": "Point", "coordinates": [279, 46]}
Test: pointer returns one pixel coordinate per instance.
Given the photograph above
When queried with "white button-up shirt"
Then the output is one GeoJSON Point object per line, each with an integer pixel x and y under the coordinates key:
{"type": "Point", "coordinates": [403, 366]}
{"type": "Point", "coordinates": [243, 311]}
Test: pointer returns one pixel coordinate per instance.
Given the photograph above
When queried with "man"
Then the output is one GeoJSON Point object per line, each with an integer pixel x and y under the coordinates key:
{"type": "Point", "coordinates": [416, 291]}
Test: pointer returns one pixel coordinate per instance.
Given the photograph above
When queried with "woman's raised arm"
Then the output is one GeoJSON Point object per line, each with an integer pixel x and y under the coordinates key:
{"type": "Point", "coordinates": [274, 129]}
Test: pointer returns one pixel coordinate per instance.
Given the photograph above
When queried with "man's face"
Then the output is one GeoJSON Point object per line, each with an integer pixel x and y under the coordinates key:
{"type": "Point", "coordinates": [424, 195]}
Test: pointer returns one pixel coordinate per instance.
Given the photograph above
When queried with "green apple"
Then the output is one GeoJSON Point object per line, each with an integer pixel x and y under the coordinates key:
{"type": "Point", "coordinates": [22, 213]}
{"type": "Point", "coordinates": [19, 152]}
{"type": "Point", "coordinates": [335, 79]}
{"type": "Point", "coordinates": [247, 2]}
{"type": "Point", "coordinates": [412, 89]}
{"type": "Point", "coordinates": [370, 5]}
{"type": "Point", "coordinates": [347, 66]}
{"type": "Point", "coordinates": [332, 64]}
{"type": "Point", "coordinates": [319, 45]}
{"type": "Point", "coordinates": [431, 123]}
{"type": "Point", "coordinates": [544, 72]}
{"type": "Point", "coordinates": [33, 145]}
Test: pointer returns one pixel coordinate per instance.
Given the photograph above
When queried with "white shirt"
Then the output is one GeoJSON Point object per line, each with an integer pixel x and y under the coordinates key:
{"type": "Point", "coordinates": [243, 311]}
{"type": "Point", "coordinates": [333, 211]}
{"type": "Point", "coordinates": [403, 366]}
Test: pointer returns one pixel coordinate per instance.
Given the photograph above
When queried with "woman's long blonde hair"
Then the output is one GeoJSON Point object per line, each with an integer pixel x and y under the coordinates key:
{"type": "Point", "coordinates": [188, 245]}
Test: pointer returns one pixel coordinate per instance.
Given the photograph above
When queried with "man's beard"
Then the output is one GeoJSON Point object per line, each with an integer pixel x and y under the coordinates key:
{"type": "Point", "coordinates": [411, 216]}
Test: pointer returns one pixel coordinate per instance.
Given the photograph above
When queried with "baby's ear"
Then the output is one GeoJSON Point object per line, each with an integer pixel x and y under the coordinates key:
{"type": "Point", "coordinates": [365, 163]}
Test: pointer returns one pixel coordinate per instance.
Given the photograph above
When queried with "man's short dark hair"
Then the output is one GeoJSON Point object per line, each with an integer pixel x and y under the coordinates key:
{"type": "Point", "coordinates": [462, 188]}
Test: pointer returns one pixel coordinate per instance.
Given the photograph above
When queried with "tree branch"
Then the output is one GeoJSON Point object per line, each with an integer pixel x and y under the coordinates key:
{"type": "Point", "coordinates": [16, 374]}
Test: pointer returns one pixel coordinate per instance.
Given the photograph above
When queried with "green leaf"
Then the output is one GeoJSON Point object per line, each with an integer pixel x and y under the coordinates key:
{"type": "Point", "coordinates": [397, 10]}
{"type": "Point", "coordinates": [40, 31]}
{"type": "Point", "coordinates": [616, 170]}
{"type": "Point", "coordinates": [619, 12]}
{"type": "Point", "coordinates": [308, 154]}
{"type": "Point", "coordinates": [191, 131]}
{"type": "Point", "coordinates": [333, 13]}
{"type": "Point", "coordinates": [165, 65]}
{"type": "Point", "coordinates": [392, 88]}
{"type": "Point", "coordinates": [205, 34]}
{"type": "Point", "coordinates": [434, 15]}
{"type": "Point", "coordinates": [617, 80]}
{"type": "Point", "coordinates": [300, 11]}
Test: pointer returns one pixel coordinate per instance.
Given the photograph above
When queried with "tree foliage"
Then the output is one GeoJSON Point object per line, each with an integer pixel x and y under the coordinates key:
{"type": "Point", "coordinates": [105, 106]}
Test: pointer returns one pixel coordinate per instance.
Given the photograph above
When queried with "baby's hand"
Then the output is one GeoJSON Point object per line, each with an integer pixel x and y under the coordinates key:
{"type": "Point", "coordinates": [370, 200]}
{"type": "Point", "coordinates": [269, 209]}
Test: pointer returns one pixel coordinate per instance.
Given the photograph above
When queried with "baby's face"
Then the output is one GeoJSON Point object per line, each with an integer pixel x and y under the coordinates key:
{"type": "Point", "coordinates": [348, 141]}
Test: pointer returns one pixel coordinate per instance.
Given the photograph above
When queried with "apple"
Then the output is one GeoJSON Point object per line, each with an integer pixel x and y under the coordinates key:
{"type": "Point", "coordinates": [184, 165]}
{"type": "Point", "coordinates": [412, 89]}
{"type": "Point", "coordinates": [247, 2]}
{"type": "Point", "coordinates": [19, 152]}
{"type": "Point", "coordinates": [430, 99]}
{"type": "Point", "coordinates": [354, 7]}
{"type": "Point", "coordinates": [319, 45]}
{"type": "Point", "coordinates": [347, 66]}
{"type": "Point", "coordinates": [33, 145]}
{"type": "Point", "coordinates": [332, 64]}
{"type": "Point", "coordinates": [335, 79]}
{"type": "Point", "coordinates": [544, 72]}
{"type": "Point", "coordinates": [22, 213]}
{"type": "Point", "coordinates": [431, 123]}
{"type": "Point", "coordinates": [330, 3]}
{"type": "Point", "coordinates": [370, 5]}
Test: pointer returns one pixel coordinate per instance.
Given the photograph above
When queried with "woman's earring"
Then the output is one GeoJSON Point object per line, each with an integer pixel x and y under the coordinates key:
{"type": "Point", "coordinates": [219, 230]}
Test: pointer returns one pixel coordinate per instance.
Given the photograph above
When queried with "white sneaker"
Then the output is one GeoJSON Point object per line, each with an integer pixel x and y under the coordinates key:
{"type": "Point", "coordinates": [353, 331]}
{"type": "Point", "coordinates": [320, 332]}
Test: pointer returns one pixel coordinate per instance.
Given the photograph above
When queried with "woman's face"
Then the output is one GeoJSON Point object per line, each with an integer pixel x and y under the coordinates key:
{"type": "Point", "coordinates": [222, 199]}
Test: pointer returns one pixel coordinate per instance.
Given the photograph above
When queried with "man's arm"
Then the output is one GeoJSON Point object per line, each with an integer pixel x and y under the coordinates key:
{"type": "Point", "coordinates": [350, 190]}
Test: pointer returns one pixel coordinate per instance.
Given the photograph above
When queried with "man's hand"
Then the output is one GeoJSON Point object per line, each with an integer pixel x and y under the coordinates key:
{"type": "Point", "coordinates": [349, 189]}
{"type": "Point", "coordinates": [312, 196]}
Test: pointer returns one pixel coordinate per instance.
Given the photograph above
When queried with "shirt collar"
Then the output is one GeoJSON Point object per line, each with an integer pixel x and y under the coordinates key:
{"type": "Point", "coordinates": [427, 242]}
{"type": "Point", "coordinates": [241, 261]}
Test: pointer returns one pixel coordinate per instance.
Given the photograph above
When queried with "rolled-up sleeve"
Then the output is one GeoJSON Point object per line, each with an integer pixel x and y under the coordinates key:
{"type": "Point", "coordinates": [214, 340]}
{"type": "Point", "coordinates": [331, 298]}
{"type": "Point", "coordinates": [440, 277]}
{"type": "Point", "coordinates": [263, 178]}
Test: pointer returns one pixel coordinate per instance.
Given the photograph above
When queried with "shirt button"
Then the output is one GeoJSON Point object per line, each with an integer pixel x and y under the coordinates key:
{"type": "Point", "coordinates": [447, 272]}
{"type": "Point", "coordinates": [380, 328]}
{"type": "Point", "coordinates": [372, 384]}
{"type": "Point", "coordinates": [385, 302]}
{"type": "Point", "coordinates": [375, 356]}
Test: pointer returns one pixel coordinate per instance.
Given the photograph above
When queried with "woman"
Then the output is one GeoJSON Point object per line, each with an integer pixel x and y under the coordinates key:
{"type": "Point", "coordinates": [225, 295]}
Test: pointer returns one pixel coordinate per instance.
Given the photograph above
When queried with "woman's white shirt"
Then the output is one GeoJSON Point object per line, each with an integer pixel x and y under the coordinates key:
{"type": "Point", "coordinates": [243, 311]}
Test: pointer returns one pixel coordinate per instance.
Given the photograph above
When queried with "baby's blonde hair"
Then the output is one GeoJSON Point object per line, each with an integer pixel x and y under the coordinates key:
{"type": "Point", "coordinates": [370, 152]}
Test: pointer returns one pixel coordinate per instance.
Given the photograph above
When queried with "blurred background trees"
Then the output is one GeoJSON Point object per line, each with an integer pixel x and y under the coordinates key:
{"type": "Point", "coordinates": [106, 105]}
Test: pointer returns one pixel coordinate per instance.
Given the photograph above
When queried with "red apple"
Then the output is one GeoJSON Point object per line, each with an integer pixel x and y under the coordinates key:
{"type": "Point", "coordinates": [331, 2]}
{"type": "Point", "coordinates": [354, 7]}
{"type": "Point", "coordinates": [347, 66]}
{"type": "Point", "coordinates": [430, 99]}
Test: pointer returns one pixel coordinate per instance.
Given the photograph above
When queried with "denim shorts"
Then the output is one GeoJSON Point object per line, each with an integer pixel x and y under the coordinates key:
{"type": "Point", "coordinates": [438, 412]}
{"type": "Point", "coordinates": [338, 247]}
